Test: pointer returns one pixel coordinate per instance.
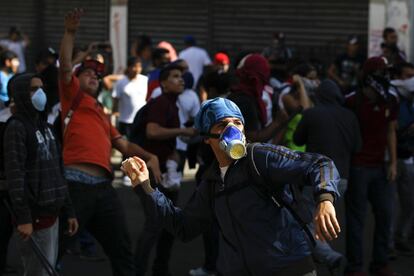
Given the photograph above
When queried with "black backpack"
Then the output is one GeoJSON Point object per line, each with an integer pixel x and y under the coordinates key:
{"type": "Point", "coordinates": [138, 134]}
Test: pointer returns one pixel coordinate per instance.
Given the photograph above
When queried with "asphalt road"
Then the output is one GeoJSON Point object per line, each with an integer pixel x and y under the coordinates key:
{"type": "Point", "coordinates": [189, 255]}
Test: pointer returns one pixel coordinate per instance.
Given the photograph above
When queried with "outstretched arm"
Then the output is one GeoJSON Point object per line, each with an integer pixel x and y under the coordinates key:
{"type": "Point", "coordinates": [286, 166]}
{"type": "Point", "coordinates": [186, 223]}
{"type": "Point", "coordinates": [72, 23]}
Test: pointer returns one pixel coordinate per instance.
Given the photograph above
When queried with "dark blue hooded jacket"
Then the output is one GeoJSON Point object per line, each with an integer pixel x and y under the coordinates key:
{"type": "Point", "coordinates": [256, 236]}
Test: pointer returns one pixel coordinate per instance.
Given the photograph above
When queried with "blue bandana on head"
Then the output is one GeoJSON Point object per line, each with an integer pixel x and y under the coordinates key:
{"type": "Point", "coordinates": [212, 111]}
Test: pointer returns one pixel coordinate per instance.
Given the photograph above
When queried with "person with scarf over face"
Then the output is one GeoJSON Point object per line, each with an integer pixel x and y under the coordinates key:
{"type": "Point", "coordinates": [33, 170]}
{"type": "Point", "coordinates": [375, 104]}
{"type": "Point", "coordinates": [254, 72]}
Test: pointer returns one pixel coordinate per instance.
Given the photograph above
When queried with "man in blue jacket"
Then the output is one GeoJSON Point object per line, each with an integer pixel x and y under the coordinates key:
{"type": "Point", "coordinates": [258, 234]}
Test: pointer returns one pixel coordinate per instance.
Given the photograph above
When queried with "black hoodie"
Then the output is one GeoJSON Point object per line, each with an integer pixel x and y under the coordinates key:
{"type": "Point", "coordinates": [329, 128]}
{"type": "Point", "coordinates": [32, 160]}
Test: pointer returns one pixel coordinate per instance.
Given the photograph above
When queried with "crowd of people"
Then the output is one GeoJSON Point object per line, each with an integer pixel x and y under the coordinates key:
{"type": "Point", "coordinates": [322, 136]}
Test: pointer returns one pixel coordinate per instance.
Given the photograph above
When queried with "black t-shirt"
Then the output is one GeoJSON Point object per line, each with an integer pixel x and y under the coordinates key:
{"type": "Point", "coordinates": [348, 68]}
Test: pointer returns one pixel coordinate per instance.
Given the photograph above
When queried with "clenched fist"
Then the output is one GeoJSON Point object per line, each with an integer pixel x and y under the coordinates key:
{"type": "Point", "coordinates": [136, 169]}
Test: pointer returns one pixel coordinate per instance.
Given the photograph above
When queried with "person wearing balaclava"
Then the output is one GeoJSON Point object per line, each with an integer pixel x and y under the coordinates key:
{"type": "Point", "coordinates": [253, 73]}
{"type": "Point", "coordinates": [257, 235]}
{"type": "Point", "coordinates": [376, 106]}
{"type": "Point", "coordinates": [332, 130]}
{"type": "Point", "coordinates": [33, 171]}
{"type": "Point", "coordinates": [404, 81]}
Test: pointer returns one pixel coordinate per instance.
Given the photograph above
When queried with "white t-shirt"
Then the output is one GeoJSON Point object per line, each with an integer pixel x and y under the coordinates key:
{"type": "Point", "coordinates": [156, 93]}
{"type": "Point", "coordinates": [196, 58]}
{"type": "Point", "coordinates": [18, 48]}
{"type": "Point", "coordinates": [188, 107]}
{"type": "Point", "coordinates": [131, 95]}
{"type": "Point", "coordinates": [223, 171]}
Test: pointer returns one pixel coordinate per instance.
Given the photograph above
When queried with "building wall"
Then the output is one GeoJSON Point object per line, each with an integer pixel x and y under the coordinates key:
{"type": "Point", "coordinates": [43, 21]}
{"type": "Point", "coordinates": [315, 29]}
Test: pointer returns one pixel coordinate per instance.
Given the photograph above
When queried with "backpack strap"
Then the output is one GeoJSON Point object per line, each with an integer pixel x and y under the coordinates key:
{"type": "Point", "coordinates": [74, 106]}
{"type": "Point", "coordinates": [275, 192]}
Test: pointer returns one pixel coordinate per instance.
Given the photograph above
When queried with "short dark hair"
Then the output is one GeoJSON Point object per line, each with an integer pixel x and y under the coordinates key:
{"type": "Point", "coordinates": [158, 53]}
{"type": "Point", "coordinates": [6, 55]}
{"type": "Point", "coordinates": [387, 31]}
{"type": "Point", "coordinates": [398, 68]}
{"type": "Point", "coordinates": [143, 41]}
{"type": "Point", "coordinates": [165, 72]}
{"type": "Point", "coordinates": [133, 60]}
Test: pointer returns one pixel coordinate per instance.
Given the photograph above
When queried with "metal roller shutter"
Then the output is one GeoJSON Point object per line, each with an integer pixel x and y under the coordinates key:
{"type": "Point", "coordinates": [316, 29]}
{"type": "Point", "coordinates": [94, 24]}
{"type": "Point", "coordinates": [42, 21]}
{"type": "Point", "coordinates": [168, 20]}
{"type": "Point", "coordinates": [22, 13]}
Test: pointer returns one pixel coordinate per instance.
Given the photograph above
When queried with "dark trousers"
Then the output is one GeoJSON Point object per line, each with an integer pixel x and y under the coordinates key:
{"type": "Point", "coordinates": [367, 184]}
{"type": "Point", "coordinates": [153, 233]}
{"type": "Point", "coordinates": [99, 210]}
{"type": "Point", "coordinates": [6, 230]}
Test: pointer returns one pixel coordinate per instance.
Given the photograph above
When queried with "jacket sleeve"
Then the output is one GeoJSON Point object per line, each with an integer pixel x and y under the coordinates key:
{"type": "Point", "coordinates": [284, 166]}
{"type": "Point", "coordinates": [67, 208]}
{"type": "Point", "coordinates": [15, 154]}
{"type": "Point", "coordinates": [187, 223]}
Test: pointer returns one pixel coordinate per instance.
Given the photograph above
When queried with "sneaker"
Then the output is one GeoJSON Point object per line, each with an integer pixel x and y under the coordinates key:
{"type": "Point", "coordinates": [404, 249]}
{"type": "Point", "coordinates": [126, 181]}
{"type": "Point", "coordinates": [201, 271]}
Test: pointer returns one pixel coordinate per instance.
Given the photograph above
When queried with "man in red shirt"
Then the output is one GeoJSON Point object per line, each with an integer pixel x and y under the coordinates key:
{"type": "Point", "coordinates": [87, 143]}
{"type": "Point", "coordinates": [376, 106]}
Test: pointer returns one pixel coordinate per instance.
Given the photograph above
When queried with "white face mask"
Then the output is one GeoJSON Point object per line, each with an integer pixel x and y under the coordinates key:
{"type": "Point", "coordinates": [405, 87]}
{"type": "Point", "coordinates": [39, 99]}
{"type": "Point", "coordinates": [409, 84]}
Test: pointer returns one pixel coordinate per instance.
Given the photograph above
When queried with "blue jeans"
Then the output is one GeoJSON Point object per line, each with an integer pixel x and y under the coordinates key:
{"type": "Point", "coordinates": [367, 184]}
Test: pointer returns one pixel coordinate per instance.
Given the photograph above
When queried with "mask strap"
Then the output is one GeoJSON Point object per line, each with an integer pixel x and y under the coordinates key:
{"type": "Point", "coordinates": [210, 135]}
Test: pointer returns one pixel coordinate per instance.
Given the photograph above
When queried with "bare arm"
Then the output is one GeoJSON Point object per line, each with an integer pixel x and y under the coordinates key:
{"type": "Point", "coordinates": [131, 149]}
{"type": "Point", "coordinates": [156, 132]}
{"type": "Point", "coordinates": [392, 150]}
{"type": "Point", "coordinates": [333, 74]}
{"type": "Point", "coordinates": [304, 100]}
{"type": "Point", "coordinates": [72, 23]}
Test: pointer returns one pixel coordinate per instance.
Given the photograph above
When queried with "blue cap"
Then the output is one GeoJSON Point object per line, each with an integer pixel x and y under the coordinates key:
{"type": "Point", "coordinates": [189, 39]}
{"type": "Point", "coordinates": [214, 110]}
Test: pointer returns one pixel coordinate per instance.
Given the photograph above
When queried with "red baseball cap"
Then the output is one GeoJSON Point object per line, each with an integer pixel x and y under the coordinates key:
{"type": "Point", "coordinates": [95, 65]}
{"type": "Point", "coordinates": [221, 58]}
{"type": "Point", "coordinates": [374, 64]}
